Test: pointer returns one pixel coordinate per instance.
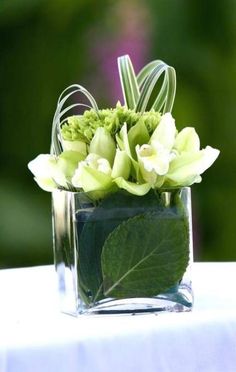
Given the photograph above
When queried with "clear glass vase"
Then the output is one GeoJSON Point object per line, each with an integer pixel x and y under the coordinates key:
{"type": "Point", "coordinates": [125, 253]}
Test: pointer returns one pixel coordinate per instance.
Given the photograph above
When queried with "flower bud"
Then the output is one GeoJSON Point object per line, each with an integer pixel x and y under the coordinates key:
{"type": "Point", "coordinates": [103, 145]}
{"type": "Point", "coordinates": [122, 165]}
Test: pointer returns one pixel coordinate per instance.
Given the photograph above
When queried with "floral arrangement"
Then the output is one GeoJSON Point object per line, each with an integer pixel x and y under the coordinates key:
{"type": "Point", "coordinates": [135, 147]}
{"type": "Point", "coordinates": [126, 169]}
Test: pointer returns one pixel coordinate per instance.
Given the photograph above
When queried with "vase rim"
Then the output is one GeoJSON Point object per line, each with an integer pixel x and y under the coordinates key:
{"type": "Point", "coordinates": [161, 190]}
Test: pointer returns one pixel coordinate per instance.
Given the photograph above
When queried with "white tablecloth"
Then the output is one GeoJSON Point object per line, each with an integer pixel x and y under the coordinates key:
{"type": "Point", "coordinates": [36, 337]}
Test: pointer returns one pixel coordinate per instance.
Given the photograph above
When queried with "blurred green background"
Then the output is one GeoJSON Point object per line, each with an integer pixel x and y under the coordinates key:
{"type": "Point", "coordinates": [47, 45]}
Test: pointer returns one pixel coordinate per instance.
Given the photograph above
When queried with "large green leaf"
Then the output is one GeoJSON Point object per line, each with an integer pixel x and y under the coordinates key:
{"type": "Point", "coordinates": [96, 226]}
{"type": "Point", "coordinates": [146, 255]}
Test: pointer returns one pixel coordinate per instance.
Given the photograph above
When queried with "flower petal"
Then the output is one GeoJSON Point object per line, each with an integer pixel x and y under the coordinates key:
{"type": "Point", "coordinates": [103, 145]}
{"type": "Point", "coordinates": [153, 158]}
{"type": "Point", "coordinates": [124, 140]}
{"type": "Point", "coordinates": [90, 179]}
{"type": "Point", "coordinates": [187, 140]}
{"type": "Point", "coordinates": [43, 166]}
{"type": "Point", "coordinates": [123, 143]}
{"type": "Point", "coordinates": [132, 187]}
{"type": "Point", "coordinates": [65, 167]}
{"type": "Point", "coordinates": [121, 166]}
{"type": "Point", "coordinates": [165, 131]}
{"type": "Point", "coordinates": [79, 146]}
{"type": "Point", "coordinates": [46, 184]}
{"type": "Point", "coordinates": [137, 135]}
{"type": "Point", "coordinates": [185, 169]}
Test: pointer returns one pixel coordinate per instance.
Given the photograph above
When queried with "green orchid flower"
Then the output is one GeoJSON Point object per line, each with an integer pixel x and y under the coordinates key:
{"type": "Point", "coordinates": [190, 162]}
{"type": "Point", "coordinates": [154, 162]}
{"type": "Point", "coordinates": [173, 159]}
{"type": "Point", "coordinates": [150, 156]}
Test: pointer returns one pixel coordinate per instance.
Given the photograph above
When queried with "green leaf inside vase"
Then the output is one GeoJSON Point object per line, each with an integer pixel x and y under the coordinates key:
{"type": "Point", "coordinates": [100, 222]}
{"type": "Point", "coordinates": [146, 255]}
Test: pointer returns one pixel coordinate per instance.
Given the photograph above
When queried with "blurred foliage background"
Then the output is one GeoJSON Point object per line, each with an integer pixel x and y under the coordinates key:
{"type": "Point", "coordinates": [47, 45]}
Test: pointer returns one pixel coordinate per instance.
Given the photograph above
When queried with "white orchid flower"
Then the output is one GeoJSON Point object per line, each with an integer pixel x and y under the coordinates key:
{"type": "Point", "coordinates": [174, 159]}
{"type": "Point", "coordinates": [51, 171]}
{"type": "Point", "coordinates": [154, 158]}
{"type": "Point", "coordinates": [43, 168]}
{"type": "Point", "coordinates": [186, 168]}
{"type": "Point", "coordinates": [190, 162]}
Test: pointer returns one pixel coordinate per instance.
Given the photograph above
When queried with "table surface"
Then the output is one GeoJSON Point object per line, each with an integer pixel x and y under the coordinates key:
{"type": "Point", "coordinates": [36, 337]}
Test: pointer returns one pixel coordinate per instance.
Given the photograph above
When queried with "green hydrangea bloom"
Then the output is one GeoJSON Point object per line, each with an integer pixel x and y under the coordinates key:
{"type": "Point", "coordinates": [83, 127]}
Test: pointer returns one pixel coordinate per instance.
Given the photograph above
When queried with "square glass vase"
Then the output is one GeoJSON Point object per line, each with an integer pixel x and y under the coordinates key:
{"type": "Point", "coordinates": [124, 254]}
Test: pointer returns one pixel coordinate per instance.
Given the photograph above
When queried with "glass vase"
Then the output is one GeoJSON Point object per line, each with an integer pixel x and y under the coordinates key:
{"type": "Point", "coordinates": [124, 254]}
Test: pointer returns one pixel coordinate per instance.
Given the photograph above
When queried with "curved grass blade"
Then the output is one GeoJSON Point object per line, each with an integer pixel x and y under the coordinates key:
{"type": "Point", "coordinates": [62, 113]}
{"type": "Point", "coordinates": [161, 98]}
{"type": "Point", "coordinates": [142, 75]}
{"type": "Point", "coordinates": [170, 97]}
{"type": "Point", "coordinates": [128, 81]}
{"type": "Point", "coordinates": [149, 85]}
{"type": "Point", "coordinates": [148, 78]}
{"type": "Point", "coordinates": [79, 88]}
{"type": "Point", "coordinates": [56, 147]}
